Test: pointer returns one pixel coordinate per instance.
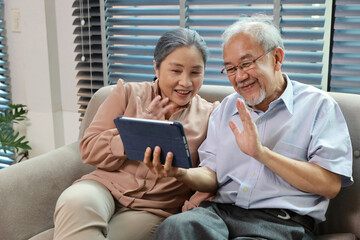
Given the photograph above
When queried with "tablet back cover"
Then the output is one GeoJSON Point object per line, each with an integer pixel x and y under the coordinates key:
{"type": "Point", "coordinates": [138, 134]}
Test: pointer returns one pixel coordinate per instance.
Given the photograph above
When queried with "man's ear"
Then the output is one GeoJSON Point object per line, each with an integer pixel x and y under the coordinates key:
{"type": "Point", "coordinates": [156, 69]}
{"type": "Point", "coordinates": [278, 58]}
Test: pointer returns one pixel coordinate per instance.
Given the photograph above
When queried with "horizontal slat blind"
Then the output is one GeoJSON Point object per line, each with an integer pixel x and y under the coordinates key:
{"type": "Point", "coordinates": [88, 49]}
{"type": "Point", "coordinates": [210, 19]}
{"type": "Point", "coordinates": [345, 63]}
{"type": "Point", "coordinates": [4, 77]}
{"type": "Point", "coordinates": [5, 158]}
{"type": "Point", "coordinates": [301, 27]}
{"type": "Point", "coordinates": [133, 28]}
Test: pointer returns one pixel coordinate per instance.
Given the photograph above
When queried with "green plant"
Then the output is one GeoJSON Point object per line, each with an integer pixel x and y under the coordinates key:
{"type": "Point", "coordinates": [9, 138]}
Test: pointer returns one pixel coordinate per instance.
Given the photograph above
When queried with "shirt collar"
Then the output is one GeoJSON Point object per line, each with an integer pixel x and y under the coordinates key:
{"type": "Point", "coordinates": [287, 96]}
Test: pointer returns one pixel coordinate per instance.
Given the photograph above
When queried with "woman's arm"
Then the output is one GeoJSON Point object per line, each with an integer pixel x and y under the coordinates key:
{"type": "Point", "coordinates": [101, 145]}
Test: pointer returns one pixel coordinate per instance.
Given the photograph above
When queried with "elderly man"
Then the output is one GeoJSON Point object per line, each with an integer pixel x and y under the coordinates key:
{"type": "Point", "coordinates": [276, 150]}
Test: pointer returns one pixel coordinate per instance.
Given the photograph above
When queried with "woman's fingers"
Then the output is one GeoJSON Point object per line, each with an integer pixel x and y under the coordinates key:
{"type": "Point", "coordinates": [139, 110]}
{"type": "Point", "coordinates": [156, 109]}
{"type": "Point", "coordinates": [152, 161]}
{"type": "Point", "coordinates": [156, 161]}
{"type": "Point", "coordinates": [147, 159]}
{"type": "Point", "coordinates": [152, 106]}
{"type": "Point", "coordinates": [155, 105]}
{"type": "Point", "coordinates": [168, 163]}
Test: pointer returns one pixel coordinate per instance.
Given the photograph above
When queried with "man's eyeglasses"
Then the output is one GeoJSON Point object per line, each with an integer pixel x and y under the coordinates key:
{"type": "Point", "coordinates": [245, 66]}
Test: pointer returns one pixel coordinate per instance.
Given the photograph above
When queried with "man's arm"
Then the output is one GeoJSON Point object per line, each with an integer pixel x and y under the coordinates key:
{"type": "Point", "coordinates": [201, 179]}
{"type": "Point", "coordinates": [305, 176]}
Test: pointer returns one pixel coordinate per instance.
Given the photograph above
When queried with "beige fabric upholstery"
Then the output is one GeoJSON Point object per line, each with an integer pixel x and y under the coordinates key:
{"type": "Point", "coordinates": [29, 190]}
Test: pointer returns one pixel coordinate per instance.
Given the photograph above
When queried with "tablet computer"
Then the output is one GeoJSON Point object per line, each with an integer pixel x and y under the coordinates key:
{"type": "Point", "coordinates": [137, 134]}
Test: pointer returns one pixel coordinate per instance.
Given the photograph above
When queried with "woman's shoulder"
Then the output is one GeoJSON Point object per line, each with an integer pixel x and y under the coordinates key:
{"type": "Point", "coordinates": [128, 84]}
{"type": "Point", "coordinates": [202, 103]}
{"type": "Point", "coordinates": [137, 88]}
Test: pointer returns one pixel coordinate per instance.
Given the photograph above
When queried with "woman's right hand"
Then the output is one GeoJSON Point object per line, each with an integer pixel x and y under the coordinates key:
{"type": "Point", "coordinates": [156, 109]}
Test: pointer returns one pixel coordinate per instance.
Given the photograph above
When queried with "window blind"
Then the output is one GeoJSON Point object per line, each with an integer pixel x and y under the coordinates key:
{"type": "Point", "coordinates": [120, 41]}
{"type": "Point", "coordinates": [133, 28]}
{"type": "Point", "coordinates": [88, 48]}
{"type": "Point", "coordinates": [4, 77]}
{"type": "Point", "coordinates": [345, 61]}
{"type": "Point", "coordinates": [5, 158]}
{"type": "Point", "coordinates": [301, 26]}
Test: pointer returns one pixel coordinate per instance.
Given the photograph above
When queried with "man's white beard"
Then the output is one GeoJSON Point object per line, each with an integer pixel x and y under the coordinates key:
{"type": "Point", "coordinates": [257, 100]}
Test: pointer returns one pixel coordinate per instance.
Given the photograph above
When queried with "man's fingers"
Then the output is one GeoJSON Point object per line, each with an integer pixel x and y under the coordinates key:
{"type": "Point", "coordinates": [244, 114]}
{"type": "Point", "coordinates": [234, 128]}
{"type": "Point", "coordinates": [240, 105]}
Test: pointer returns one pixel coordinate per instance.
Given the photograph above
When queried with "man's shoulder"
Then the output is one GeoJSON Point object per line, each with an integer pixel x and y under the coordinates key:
{"type": "Point", "coordinates": [306, 90]}
{"type": "Point", "coordinates": [230, 99]}
{"type": "Point", "coordinates": [227, 106]}
{"type": "Point", "coordinates": [306, 95]}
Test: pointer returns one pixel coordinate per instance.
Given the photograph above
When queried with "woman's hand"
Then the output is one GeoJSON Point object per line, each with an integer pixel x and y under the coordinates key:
{"type": "Point", "coordinates": [156, 109]}
{"type": "Point", "coordinates": [155, 166]}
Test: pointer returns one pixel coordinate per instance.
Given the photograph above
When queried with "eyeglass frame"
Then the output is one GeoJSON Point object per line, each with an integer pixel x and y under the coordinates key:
{"type": "Point", "coordinates": [224, 70]}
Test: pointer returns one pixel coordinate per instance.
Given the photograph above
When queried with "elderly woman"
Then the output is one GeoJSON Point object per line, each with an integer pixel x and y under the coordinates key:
{"type": "Point", "coordinates": [122, 199]}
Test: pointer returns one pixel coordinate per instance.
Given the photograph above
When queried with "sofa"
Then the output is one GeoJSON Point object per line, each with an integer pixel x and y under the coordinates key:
{"type": "Point", "coordinates": [29, 190]}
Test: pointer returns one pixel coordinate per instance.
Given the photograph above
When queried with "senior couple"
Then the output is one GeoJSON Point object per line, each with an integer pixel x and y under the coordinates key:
{"type": "Point", "coordinates": [269, 157]}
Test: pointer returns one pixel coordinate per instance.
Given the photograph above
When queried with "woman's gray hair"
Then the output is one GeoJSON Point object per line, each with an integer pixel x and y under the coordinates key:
{"type": "Point", "coordinates": [179, 37]}
{"type": "Point", "coordinates": [262, 30]}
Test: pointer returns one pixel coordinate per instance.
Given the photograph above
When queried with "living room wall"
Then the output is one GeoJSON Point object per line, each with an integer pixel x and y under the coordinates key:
{"type": "Point", "coordinates": [42, 70]}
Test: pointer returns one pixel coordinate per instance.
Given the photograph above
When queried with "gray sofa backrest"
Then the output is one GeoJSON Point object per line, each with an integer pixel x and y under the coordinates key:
{"type": "Point", "coordinates": [343, 214]}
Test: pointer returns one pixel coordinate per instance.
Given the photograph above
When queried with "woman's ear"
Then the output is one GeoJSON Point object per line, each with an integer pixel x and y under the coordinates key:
{"type": "Point", "coordinates": [279, 58]}
{"type": "Point", "coordinates": [156, 69]}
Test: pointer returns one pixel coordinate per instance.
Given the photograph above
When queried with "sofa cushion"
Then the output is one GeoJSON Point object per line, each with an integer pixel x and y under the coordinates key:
{"type": "Point", "coordinates": [45, 235]}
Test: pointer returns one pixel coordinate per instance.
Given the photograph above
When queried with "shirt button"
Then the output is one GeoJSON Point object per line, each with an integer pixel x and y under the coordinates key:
{"type": "Point", "coordinates": [245, 190]}
{"type": "Point", "coordinates": [259, 121]}
{"type": "Point", "coordinates": [252, 174]}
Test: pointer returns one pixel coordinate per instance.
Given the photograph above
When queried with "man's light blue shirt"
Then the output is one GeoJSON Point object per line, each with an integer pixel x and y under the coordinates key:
{"type": "Point", "coordinates": [305, 124]}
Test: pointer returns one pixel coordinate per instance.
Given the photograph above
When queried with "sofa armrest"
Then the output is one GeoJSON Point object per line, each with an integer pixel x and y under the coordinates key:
{"type": "Point", "coordinates": [29, 190]}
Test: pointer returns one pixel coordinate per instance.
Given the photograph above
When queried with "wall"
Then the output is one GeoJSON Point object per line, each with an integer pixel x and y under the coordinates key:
{"type": "Point", "coordinates": [42, 71]}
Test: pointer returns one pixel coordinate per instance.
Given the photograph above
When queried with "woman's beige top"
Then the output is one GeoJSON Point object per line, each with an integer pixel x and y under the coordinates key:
{"type": "Point", "coordinates": [130, 181]}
